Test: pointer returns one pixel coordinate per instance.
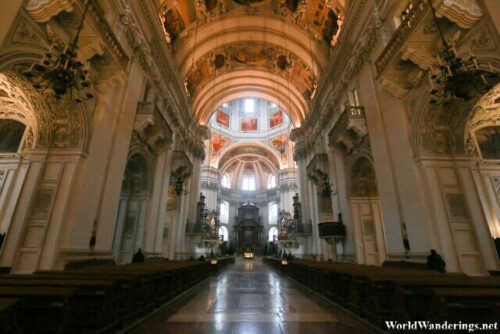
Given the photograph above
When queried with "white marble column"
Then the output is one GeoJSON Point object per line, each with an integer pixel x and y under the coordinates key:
{"type": "Point", "coordinates": [13, 240]}
{"type": "Point", "coordinates": [86, 196]}
{"type": "Point", "coordinates": [153, 233]}
{"type": "Point", "coordinates": [108, 206]}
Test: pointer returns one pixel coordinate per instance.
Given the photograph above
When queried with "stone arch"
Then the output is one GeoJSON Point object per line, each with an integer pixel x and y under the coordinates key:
{"type": "Point", "coordinates": [136, 179]}
{"type": "Point", "coordinates": [19, 101]}
{"type": "Point", "coordinates": [134, 202]}
{"type": "Point", "coordinates": [438, 130]}
{"type": "Point", "coordinates": [60, 124]}
{"type": "Point", "coordinates": [138, 175]}
{"type": "Point", "coordinates": [484, 116]}
{"type": "Point", "coordinates": [362, 177]}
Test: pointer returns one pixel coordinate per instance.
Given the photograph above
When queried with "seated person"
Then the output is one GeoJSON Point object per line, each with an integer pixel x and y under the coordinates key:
{"type": "Point", "coordinates": [138, 257]}
{"type": "Point", "coordinates": [435, 261]}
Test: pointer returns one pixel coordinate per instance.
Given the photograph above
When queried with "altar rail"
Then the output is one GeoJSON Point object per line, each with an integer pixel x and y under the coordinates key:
{"type": "Point", "coordinates": [387, 293]}
{"type": "Point", "coordinates": [97, 298]}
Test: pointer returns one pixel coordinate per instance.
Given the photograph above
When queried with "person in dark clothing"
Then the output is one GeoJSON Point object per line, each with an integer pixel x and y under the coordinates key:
{"type": "Point", "coordinates": [435, 261]}
{"type": "Point", "coordinates": [138, 257]}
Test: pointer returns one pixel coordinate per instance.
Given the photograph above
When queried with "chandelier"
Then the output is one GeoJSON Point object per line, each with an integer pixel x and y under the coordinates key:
{"type": "Point", "coordinates": [456, 78]}
{"type": "Point", "coordinates": [55, 75]}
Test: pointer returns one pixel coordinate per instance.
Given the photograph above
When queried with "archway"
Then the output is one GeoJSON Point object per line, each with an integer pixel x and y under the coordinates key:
{"type": "Point", "coordinates": [223, 233]}
{"type": "Point", "coordinates": [482, 142]}
{"type": "Point", "coordinates": [272, 234]}
{"type": "Point", "coordinates": [366, 214]}
{"type": "Point", "coordinates": [132, 210]}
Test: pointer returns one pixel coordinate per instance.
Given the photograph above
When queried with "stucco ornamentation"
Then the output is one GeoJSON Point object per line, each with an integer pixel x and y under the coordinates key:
{"type": "Point", "coordinates": [44, 10]}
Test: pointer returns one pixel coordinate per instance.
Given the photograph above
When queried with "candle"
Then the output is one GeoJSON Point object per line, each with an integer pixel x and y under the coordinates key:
{"type": "Point", "coordinates": [455, 52]}
{"type": "Point", "coordinates": [470, 51]}
{"type": "Point", "coordinates": [430, 81]}
{"type": "Point", "coordinates": [51, 46]}
{"type": "Point", "coordinates": [490, 66]}
{"type": "Point", "coordinates": [439, 60]}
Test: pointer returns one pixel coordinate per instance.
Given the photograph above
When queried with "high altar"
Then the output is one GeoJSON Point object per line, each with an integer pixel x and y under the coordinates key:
{"type": "Point", "coordinates": [248, 229]}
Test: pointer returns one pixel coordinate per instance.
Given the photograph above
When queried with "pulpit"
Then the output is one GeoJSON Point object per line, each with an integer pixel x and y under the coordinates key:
{"type": "Point", "coordinates": [248, 229]}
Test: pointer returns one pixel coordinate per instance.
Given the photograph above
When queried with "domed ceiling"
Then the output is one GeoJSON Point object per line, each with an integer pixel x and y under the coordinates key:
{"type": "Point", "coordinates": [249, 160]}
{"type": "Point", "coordinates": [272, 49]}
{"type": "Point", "coordinates": [249, 127]}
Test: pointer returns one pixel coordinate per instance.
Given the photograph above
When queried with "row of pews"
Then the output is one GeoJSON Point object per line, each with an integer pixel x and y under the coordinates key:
{"type": "Point", "coordinates": [379, 294]}
{"type": "Point", "coordinates": [95, 299]}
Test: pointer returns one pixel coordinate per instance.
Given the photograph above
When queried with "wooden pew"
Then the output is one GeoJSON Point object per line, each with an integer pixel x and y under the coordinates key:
{"type": "Point", "coordinates": [95, 298]}
{"type": "Point", "coordinates": [8, 315]}
{"type": "Point", "coordinates": [383, 293]}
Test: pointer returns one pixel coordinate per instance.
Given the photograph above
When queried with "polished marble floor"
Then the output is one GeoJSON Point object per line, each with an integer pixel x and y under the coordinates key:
{"type": "Point", "coordinates": [250, 298]}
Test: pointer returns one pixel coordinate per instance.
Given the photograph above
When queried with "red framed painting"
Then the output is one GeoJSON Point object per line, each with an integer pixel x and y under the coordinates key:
{"type": "Point", "coordinates": [276, 119]}
{"type": "Point", "coordinates": [222, 118]}
{"type": "Point", "coordinates": [249, 124]}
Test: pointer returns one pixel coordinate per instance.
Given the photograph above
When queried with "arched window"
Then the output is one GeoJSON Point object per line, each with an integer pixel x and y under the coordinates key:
{"type": "Point", "coordinates": [273, 234]}
{"type": "Point", "coordinates": [249, 106]}
{"type": "Point", "coordinates": [271, 181]}
{"type": "Point", "coordinates": [226, 181]}
{"type": "Point", "coordinates": [223, 233]}
{"type": "Point", "coordinates": [224, 212]}
{"type": "Point", "coordinates": [136, 175]}
{"type": "Point", "coordinates": [273, 213]}
{"type": "Point", "coordinates": [248, 183]}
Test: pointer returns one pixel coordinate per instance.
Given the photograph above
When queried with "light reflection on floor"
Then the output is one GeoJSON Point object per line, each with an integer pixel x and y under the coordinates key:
{"type": "Point", "coordinates": [250, 297]}
{"type": "Point", "coordinates": [248, 265]}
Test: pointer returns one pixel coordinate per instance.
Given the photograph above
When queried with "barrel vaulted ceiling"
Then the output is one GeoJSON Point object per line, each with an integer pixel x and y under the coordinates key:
{"type": "Point", "coordinates": [271, 49]}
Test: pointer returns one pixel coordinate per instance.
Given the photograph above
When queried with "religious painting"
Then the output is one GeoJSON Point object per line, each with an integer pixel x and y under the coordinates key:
{"type": "Point", "coordinates": [254, 53]}
{"type": "Point", "coordinates": [222, 118]}
{"type": "Point", "coordinates": [247, 2]}
{"type": "Point", "coordinates": [279, 143]}
{"type": "Point", "coordinates": [488, 140]}
{"type": "Point", "coordinates": [173, 24]}
{"type": "Point", "coordinates": [276, 119]}
{"type": "Point", "coordinates": [249, 124]}
{"type": "Point", "coordinates": [218, 142]}
{"type": "Point", "coordinates": [172, 199]}
{"type": "Point", "coordinates": [200, 74]}
{"type": "Point", "coordinates": [11, 134]}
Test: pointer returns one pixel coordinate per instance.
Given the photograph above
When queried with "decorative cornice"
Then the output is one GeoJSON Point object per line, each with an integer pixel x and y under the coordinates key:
{"type": "Point", "coordinates": [43, 10]}
{"type": "Point", "coordinates": [346, 62]}
{"type": "Point", "coordinates": [464, 13]}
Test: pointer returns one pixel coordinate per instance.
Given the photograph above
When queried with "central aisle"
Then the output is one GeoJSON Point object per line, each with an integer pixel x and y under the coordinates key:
{"type": "Point", "coordinates": [246, 298]}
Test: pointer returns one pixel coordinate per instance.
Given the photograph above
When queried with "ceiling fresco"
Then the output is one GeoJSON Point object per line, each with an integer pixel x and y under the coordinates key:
{"type": "Point", "coordinates": [278, 45]}
{"type": "Point", "coordinates": [251, 56]}
{"type": "Point", "coordinates": [252, 152]}
{"type": "Point", "coordinates": [325, 17]}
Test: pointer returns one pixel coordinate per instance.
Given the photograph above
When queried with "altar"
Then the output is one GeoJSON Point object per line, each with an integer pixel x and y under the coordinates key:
{"type": "Point", "coordinates": [248, 229]}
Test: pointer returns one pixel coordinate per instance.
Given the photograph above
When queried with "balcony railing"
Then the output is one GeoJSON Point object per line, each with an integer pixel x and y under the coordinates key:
{"type": "Point", "coordinates": [355, 112]}
{"type": "Point", "coordinates": [332, 230]}
{"type": "Point", "coordinates": [415, 13]}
